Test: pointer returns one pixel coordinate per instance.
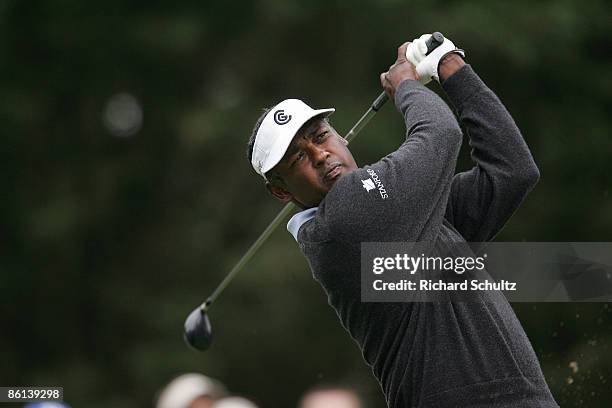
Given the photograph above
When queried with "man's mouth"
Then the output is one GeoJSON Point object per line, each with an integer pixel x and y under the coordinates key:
{"type": "Point", "coordinates": [332, 172]}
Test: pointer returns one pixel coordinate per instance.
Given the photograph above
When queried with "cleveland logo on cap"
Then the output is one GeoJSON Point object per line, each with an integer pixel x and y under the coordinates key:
{"type": "Point", "coordinates": [280, 118]}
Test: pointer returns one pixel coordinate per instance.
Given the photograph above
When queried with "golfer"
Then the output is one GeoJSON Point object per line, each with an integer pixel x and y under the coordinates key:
{"type": "Point", "coordinates": [427, 354]}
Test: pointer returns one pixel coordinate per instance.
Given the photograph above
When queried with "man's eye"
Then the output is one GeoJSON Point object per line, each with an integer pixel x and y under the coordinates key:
{"type": "Point", "coordinates": [321, 136]}
{"type": "Point", "coordinates": [298, 157]}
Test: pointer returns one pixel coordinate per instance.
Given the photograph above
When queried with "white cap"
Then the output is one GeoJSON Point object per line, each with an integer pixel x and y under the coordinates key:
{"type": "Point", "coordinates": [234, 402]}
{"type": "Point", "coordinates": [277, 130]}
{"type": "Point", "coordinates": [183, 390]}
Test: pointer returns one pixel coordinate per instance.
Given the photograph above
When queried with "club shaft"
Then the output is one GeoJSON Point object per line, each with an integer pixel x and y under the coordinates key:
{"type": "Point", "coordinates": [376, 105]}
{"type": "Point", "coordinates": [248, 254]}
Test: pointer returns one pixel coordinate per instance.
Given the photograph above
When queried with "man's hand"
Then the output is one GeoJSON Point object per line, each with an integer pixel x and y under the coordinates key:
{"type": "Point", "coordinates": [398, 72]}
{"type": "Point", "coordinates": [430, 66]}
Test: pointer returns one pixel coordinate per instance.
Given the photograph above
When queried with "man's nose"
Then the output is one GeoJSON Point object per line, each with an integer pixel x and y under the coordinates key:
{"type": "Point", "coordinates": [319, 155]}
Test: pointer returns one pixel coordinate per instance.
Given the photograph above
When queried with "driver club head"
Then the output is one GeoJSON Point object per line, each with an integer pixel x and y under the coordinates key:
{"type": "Point", "coordinates": [198, 331]}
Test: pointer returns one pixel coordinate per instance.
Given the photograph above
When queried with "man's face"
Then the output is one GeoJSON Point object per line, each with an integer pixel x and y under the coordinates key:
{"type": "Point", "coordinates": [316, 158]}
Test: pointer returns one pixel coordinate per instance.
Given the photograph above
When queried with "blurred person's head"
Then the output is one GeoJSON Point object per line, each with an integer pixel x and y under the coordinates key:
{"type": "Point", "coordinates": [234, 402]}
{"type": "Point", "coordinates": [191, 391]}
{"type": "Point", "coordinates": [330, 397]}
{"type": "Point", "coordinates": [298, 152]}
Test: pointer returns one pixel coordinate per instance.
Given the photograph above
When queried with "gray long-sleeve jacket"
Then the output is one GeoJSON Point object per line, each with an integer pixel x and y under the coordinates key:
{"type": "Point", "coordinates": [436, 354]}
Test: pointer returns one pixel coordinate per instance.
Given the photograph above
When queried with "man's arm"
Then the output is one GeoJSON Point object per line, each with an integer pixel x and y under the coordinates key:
{"type": "Point", "coordinates": [484, 198]}
{"type": "Point", "coordinates": [404, 195]}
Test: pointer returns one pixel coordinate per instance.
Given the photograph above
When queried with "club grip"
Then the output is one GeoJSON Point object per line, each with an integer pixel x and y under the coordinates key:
{"type": "Point", "coordinates": [434, 41]}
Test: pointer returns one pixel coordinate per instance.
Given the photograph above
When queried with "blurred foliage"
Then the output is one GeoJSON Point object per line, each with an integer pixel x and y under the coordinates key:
{"type": "Point", "coordinates": [107, 242]}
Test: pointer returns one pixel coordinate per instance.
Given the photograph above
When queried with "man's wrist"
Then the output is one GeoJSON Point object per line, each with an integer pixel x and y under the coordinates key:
{"type": "Point", "coordinates": [450, 64]}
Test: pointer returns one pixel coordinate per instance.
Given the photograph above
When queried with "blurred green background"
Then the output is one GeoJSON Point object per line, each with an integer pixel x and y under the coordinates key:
{"type": "Point", "coordinates": [127, 195]}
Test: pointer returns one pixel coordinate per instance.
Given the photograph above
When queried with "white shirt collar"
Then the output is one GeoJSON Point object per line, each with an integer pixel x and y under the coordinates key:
{"type": "Point", "coordinates": [294, 224]}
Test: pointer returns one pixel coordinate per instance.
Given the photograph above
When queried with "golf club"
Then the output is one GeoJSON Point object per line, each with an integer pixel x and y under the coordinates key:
{"type": "Point", "coordinates": [198, 330]}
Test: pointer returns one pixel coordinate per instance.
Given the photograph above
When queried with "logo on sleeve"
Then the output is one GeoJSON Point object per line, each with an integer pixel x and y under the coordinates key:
{"type": "Point", "coordinates": [375, 183]}
{"type": "Point", "coordinates": [368, 184]}
{"type": "Point", "coordinates": [281, 118]}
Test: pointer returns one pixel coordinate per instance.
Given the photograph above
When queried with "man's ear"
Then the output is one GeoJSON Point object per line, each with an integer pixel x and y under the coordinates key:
{"type": "Point", "coordinates": [279, 192]}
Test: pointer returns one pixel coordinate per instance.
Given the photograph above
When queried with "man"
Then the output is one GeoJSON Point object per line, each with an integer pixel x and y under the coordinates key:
{"type": "Point", "coordinates": [427, 354]}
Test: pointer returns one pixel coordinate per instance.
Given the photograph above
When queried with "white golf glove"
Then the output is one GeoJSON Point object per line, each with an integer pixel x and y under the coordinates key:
{"type": "Point", "coordinates": [427, 65]}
